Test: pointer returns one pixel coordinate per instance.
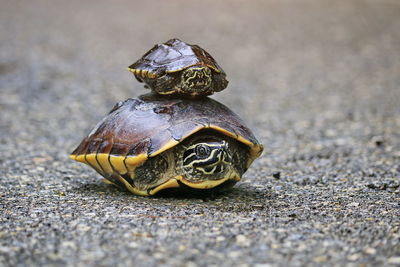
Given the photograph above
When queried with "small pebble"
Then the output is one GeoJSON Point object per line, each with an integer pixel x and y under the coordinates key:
{"type": "Point", "coordinates": [276, 175]}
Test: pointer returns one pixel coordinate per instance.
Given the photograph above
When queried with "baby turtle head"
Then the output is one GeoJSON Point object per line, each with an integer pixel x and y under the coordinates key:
{"type": "Point", "coordinates": [196, 79]}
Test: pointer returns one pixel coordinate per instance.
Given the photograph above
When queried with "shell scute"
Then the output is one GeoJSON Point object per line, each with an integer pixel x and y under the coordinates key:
{"type": "Point", "coordinates": [94, 146]}
{"type": "Point", "coordinates": [105, 146]}
{"type": "Point", "coordinates": [184, 129]}
{"type": "Point", "coordinates": [119, 149]}
{"type": "Point", "coordinates": [141, 147]}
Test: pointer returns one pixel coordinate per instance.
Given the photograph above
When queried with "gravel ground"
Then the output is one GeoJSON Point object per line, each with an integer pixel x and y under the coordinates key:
{"type": "Point", "coordinates": [318, 81]}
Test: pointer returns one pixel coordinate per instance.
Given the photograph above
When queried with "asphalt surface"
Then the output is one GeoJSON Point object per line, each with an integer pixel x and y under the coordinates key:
{"type": "Point", "coordinates": [317, 81]}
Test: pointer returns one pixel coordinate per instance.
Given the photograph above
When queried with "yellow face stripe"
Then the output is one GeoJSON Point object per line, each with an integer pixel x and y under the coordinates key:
{"type": "Point", "coordinates": [216, 159]}
{"type": "Point", "coordinates": [211, 171]}
{"type": "Point", "coordinates": [201, 160]}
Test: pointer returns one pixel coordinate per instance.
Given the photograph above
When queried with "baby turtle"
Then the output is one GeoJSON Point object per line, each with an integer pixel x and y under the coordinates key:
{"type": "Point", "coordinates": [176, 67]}
{"type": "Point", "coordinates": [153, 143]}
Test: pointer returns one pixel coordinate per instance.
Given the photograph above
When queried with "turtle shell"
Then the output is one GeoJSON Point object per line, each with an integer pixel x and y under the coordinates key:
{"type": "Point", "coordinates": [173, 56]}
{"type": "Point", "coordinates": [137, 129]}
{"type": "Point", "coordinates": [167, 59]}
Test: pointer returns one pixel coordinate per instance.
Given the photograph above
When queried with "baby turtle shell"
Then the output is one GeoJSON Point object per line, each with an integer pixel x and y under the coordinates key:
{"type": "Point", "coordinates": [147, 144]}
{"type": "Point", "coordinates": [176, 67]}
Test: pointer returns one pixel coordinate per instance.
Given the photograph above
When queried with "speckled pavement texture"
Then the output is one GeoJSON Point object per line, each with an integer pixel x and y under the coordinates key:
{"type": "Point", "coordinates": [317, 81]}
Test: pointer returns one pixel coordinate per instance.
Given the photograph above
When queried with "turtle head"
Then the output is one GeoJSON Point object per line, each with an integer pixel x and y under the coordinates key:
{"type": "Point", "coordinates": [207, 160]}
{"type": "Point", "coordinates": [196, 79]}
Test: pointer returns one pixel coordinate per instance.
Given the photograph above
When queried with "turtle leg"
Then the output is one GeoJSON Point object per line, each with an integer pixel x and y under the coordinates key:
{"type": "Point", "coordinates": [150, 172]}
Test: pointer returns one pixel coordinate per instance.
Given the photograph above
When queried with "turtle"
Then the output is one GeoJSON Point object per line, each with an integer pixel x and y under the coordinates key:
{"type": "Point", "coordinates": [178, 68]}
{"type": "Point", "coordinates": [151, 143]}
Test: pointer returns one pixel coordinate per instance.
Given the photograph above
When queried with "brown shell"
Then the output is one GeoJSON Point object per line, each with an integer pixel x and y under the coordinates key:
{"type": "Point", "coordinates": [151, 124]}
{"type": "Point", "coordinates": [173, 56]}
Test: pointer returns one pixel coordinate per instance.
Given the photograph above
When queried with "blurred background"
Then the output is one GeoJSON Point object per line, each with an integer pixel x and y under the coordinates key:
{"type": "Point", "coordinates": [307, 58]}
{"type": "Point", "coordinates": [317, 81]}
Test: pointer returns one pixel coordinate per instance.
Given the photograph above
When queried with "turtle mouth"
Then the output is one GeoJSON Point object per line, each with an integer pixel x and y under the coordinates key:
{"type": "Point", "coordinates": [180, 181]}
{"type": "Point", "coordinates": [196, 79]}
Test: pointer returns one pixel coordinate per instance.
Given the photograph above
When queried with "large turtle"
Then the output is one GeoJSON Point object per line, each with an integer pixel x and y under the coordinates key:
{"type": "Point", "coordinates": [155, 142]}
{"type": "Point", "coordinates": [176, 67]}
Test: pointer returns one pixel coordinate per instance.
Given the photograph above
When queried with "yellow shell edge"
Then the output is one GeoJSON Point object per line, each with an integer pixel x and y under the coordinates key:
{"type": "Point", "coordinates": [172, 183]}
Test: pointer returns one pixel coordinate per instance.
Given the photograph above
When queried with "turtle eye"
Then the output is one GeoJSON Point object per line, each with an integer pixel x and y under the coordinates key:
{"type": "Point", "coordinates": [202, 151]}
